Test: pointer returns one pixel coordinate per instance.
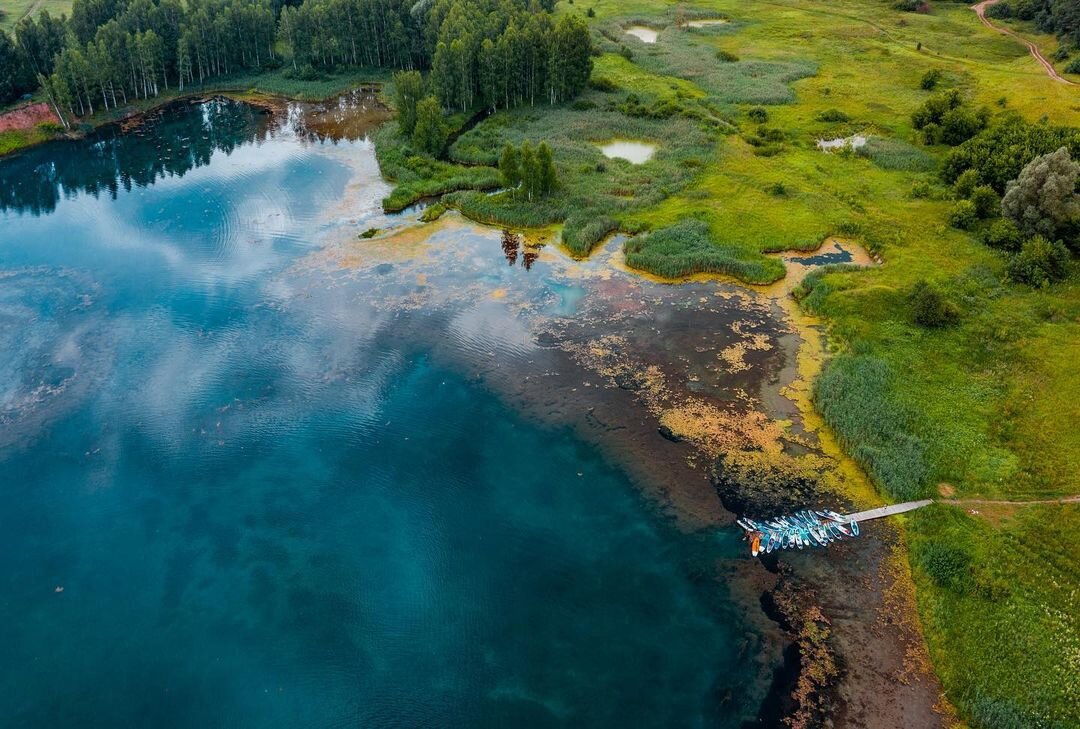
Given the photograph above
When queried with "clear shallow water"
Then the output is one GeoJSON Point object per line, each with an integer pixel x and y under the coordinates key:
{"type": "Point", "coordinates": [643, 33]}
{"type": "Point", "coordinates": [636, 152]}
{"type": "Point", "coordinates": [238, 490]}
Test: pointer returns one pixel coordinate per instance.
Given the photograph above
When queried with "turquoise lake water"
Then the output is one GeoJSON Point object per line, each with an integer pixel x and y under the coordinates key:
{"type": "Point", "coordinates": [236, 493]}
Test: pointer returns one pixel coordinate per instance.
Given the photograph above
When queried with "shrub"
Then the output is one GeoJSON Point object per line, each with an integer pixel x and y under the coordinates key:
{"type": "Point", "coordinates": [920, 190]}
{"type": "Point", "coordinates": [929, 308]}
{"type": "Point", "coordinates": [986, 201]}
{"type": "Point", "coordinates": [1061, 54]}
{"type": "Point", "coordinates": [963, 215]}
{"type": "Point", "coordinates": [604, 84]}
{"type": "Point", "coordinates": [758, 114]}
{"type": "Point", "coordinates": [947, 566]}
{"type": "Point", "coordinates": [931, 79]}
{"type": "Point", "coordinates": [934, 109]}
{"type": "Point", "coordinates": [832, 115]}
{"type": "Point", "coordinates": [961, 124]}
{"type": "Point", "coordinates": [1074, 66]}
{"type": "Point", "coordinates": [999, 153]}
{"type": "Point", "coordinates": [1003, 235]}
{"type": "Point", "coordinates": [965, 184]}
{"type": "Point", "coordinates": [776, 189]}
{"type": "Point", "coordinates": [726, 56]}
{"type": "Point", "coordinates": [1039, 262]}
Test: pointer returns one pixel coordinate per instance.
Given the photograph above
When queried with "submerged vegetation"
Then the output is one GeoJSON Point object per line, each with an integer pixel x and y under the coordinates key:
{"type": "Point", "coordinates": [954, 365]}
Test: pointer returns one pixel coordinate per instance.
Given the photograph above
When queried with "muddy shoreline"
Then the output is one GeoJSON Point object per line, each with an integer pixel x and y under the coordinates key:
{"type": "Point", "coordinates": [696, 390]}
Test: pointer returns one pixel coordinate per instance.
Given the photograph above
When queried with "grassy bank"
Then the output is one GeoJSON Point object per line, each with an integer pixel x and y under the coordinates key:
{"type": "Point", "coordinates": [986, 405]}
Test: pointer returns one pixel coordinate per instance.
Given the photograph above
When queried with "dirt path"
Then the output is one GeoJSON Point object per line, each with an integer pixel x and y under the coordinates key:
{"type": "Point", "coordinates": [980, 10]}
{"type": "Point", "coordinates": [1062, 500]}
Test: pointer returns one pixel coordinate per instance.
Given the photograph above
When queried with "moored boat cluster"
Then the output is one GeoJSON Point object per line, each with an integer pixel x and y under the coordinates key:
{"type": "Point", "coordinates": [805, 528]}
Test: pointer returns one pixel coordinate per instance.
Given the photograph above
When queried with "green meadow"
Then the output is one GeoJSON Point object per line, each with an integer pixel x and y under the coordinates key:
{"type": "Point", "coordinates": [985, 407]}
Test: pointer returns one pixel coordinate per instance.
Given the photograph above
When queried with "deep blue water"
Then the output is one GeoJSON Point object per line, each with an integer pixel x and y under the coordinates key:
{"type": "Point", "coordinates": [223, 506]}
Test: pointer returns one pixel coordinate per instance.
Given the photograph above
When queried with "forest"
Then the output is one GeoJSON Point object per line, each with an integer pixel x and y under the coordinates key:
{"type": "Point", "coordinates": [1061, 17]}
{"type": "Point", "coordinates": [480, 53]}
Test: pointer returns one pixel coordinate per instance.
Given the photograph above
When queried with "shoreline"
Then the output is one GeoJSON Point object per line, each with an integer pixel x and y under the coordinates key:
{"type": "Point", "coordinates": [251, 89]}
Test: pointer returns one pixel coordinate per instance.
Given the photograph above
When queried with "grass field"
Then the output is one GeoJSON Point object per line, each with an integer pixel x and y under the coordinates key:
{"type": "Point", "coordinates": [12, 11]}
{"type": "Point", "coordinates": [988, 405]}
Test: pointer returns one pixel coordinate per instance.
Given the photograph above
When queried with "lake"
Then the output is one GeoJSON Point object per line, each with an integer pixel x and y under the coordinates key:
{"type": "Point", "coordinates": [259, 472]}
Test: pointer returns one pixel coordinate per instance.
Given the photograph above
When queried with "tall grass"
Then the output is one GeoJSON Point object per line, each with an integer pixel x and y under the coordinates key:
{"type": "Point", "coordinates": [583, 232]}
{"type": "Point", "coordinates": [855, 394]}
{"type": "Point", "coordinates": [894, 154]}
{"type": "Point", "coordinates": [686, 248]}
{"type": "Point", "coordinates": [420, 177]}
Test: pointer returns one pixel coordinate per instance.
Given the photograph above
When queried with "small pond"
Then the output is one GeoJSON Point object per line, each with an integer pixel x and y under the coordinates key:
{"type": "Point", "coordinates": [636, 152]}
{"type": "Point", "coordinates": [643, 33]}
{"type": "Point", "coordinates": [853, 142]}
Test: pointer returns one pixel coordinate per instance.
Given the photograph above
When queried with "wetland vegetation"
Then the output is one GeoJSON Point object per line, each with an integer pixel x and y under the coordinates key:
{"type": "Point", "coordinates": [953, 366]}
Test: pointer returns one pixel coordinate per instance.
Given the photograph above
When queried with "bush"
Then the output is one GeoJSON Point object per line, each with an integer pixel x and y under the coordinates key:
{"type": "Point", "coordinates": [1040, 262]}
{"type": "Point", "coordinates": [1003, 235]}
{"type": "Point", "coordinates": [966, 183]}
{"type": "Point", "coordinates": [929, 308]}
{"type": "Point", "coordinates": [947, 566]}
{"type": "Point", "coordinates": [726, 56]}
{"type": "Point", "coordinates": [604, 84]}
{"type": "Point", "coordinates": [1074, 66]}
{"type": "Point", "coordinates": [931, 134]}
{"type": "Point", "coordinates": [931, 79]}
{"type": "Point", "coordinates": [758, 114]}
{"type": "Point", "coordinates": [963, 215]}
{"type": "Point", "coordinates": [986, 201]}
{"type": "Point", "coordinates": [832, 115]}
{"type": "Point", "coordinates": [776, 189]}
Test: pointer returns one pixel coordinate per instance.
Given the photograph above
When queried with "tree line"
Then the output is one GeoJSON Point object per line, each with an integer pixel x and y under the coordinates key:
{"type": "Point", "coordinates": [1061, 17]}
{"type": "Point", "coordinates": [479, 53]}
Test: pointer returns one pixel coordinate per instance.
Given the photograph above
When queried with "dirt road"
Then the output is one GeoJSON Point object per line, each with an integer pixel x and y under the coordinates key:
{"type": "Point", "coordinates": [980, 10]}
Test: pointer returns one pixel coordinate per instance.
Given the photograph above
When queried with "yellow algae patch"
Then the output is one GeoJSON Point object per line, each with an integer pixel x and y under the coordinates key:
{"type": "Point", "coordinates": [717, 431]}
{"type": "Point", "coordinates": [734, 356]}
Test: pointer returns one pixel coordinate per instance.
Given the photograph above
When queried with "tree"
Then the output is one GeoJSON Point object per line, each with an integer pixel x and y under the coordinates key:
{"type": "Point", "coordinates": [929, 308]}
{"type": "Point", "coordinates": [986, 201]}
{"type": "Point", "coordinates": [530, 171]}
{"type": "Point", "coordinates": [1043, 199]}
{"type": "Point", "coordinates": [547, 176]}
{"type": "Point", "coordinates": [430, 132]}
{"type": "Point", "coordinates": [963, 215]}
{"type": "Point", "coordinates": [510, 167]}
{"type": "Point", "coordinates": [1003, 235]}
{"type": "Point", "coordinates": [15, 76]}
{"type": "Point", "coordinates": [1039, 262]}
{"type": "Point", "coordinates": [408, 90]}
